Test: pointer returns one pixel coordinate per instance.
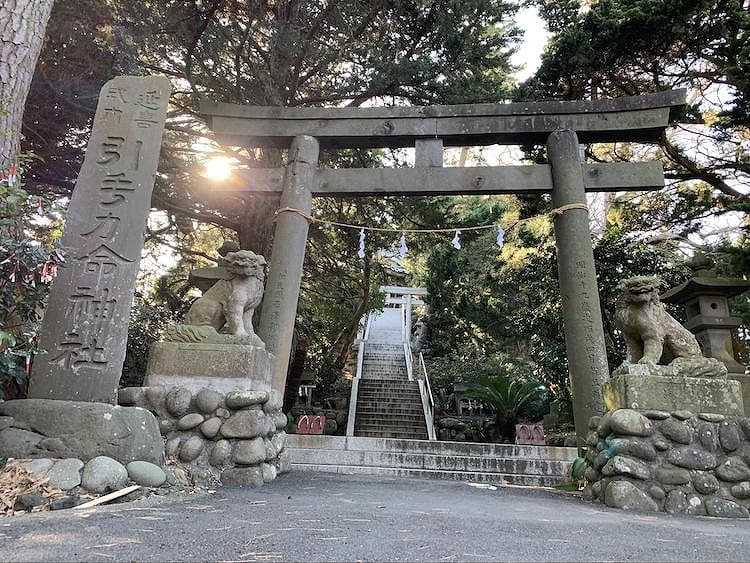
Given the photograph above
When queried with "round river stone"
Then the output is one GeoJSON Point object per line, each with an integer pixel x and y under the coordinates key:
{"type": "Point", "coordinates": [146, 474]}
{"type": "Point", "coordinates": [177, 401]}
{"type": "Point", "coordinates": [220, 453]}
{"type": "Point", "coordinates": [692, 458]}
{"type": "Point", "coordinates": [239, 399]}
{"type": "Point", "coordinates": [210, 427]}
{"type": "Point", "coordinates": [676, 431]}
{"type": "Point", "coordinates": [65, 474]}
{"type": "Point", "coordinates": [249, 452]}
{"type": "Point", "coordinates": [191, 448]}
{"type": "Point", "coordinates": [190, 421]}
{"type": "Point", "coordinates": [244, 424]}
{"type": "Point", "coordinates": [207, 400]}
{"type": "Point", "coordinates": [630, 423]}
{"type": "Point", "coordinates": [103, 474]}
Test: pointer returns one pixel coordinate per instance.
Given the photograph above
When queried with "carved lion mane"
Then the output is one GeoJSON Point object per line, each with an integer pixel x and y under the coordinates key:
{"type": "Point", "coordinates": [651, 334]}
{"type": "Point", "coordinates": [232, 301]}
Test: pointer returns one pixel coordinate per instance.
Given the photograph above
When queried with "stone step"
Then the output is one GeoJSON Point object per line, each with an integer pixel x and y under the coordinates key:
{"type": "Point", "coordinates": [391, 422]}
{"type": "Point", "coordinates": [410, 432]}
{"type": "Point", "coordinates": [388, 386]}
{"type": "Point", "coordinates": [394, 434]}
{"type": "Point", "coordinates": [433, 462]}
{"type": "Point", "coordinates": [487, 463]}
{"type": "Point", "coordinates": [394, 358]}
{"type": "Point", "coordinates": [374, 384]}
{"type": "Point", "coordinates": [473, 477]}
{"type": "Point", "coordinates": [397, 414]}
{"type": "Point", "coordinates": [434, 447]}
{"type": "Point", "coordinates": [388, 406]}
{"type": "Point", "coordinates": [397, 354]}
{"type": "Point", "coordinates": [386, 402]}
{"type": "Point", "coordinates": [392, 395]}
{"type": "Point", "coordinates": [398, 422]}
{"type": "Point", "coordinates": [379, 413]}
{"type": "Point", "coordinates": [393, 378]}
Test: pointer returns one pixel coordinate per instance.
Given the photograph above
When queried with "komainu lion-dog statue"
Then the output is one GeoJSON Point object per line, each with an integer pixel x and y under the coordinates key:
{"type": "Point", "coordinates": [656, 338]}
{"type": "Point", "coordinates": [229, 304]}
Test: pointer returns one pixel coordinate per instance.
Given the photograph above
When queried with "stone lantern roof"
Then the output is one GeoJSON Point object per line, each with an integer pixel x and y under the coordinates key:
{"type": "Point", "coordinates": [704, 282]}
{"type": "Point", "coordinates": [705, 285]}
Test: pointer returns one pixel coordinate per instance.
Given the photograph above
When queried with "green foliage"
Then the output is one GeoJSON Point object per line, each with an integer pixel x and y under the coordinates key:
{"type": "Point", "coordinates": [295, 54]}
{"type": "Point", "coordinates": [511, 399]}
{"type": "Point", "coordinates": [498, 311]}
{"type": "Point", "coordinates": [578, 468]}
{"type": "Point", "coordinates": [148, 321]}
{"type": "Point", "coordinates": [478, 430]}
{"type": "Point", "coordinates": [448, 370]}
{"type": "Point", "coordinates": [26, 266]}
{"type": "Point", "coordinates": [631, 47]}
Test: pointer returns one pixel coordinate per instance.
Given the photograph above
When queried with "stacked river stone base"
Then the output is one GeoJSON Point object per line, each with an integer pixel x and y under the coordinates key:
{"type": "Point", "coordinates": [236, 437]}
{"type": "Point", "coordinates": [672, 462]}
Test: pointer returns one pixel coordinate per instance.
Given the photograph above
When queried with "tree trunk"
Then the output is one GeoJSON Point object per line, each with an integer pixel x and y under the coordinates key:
{"type": "Point", "coordinates": [256, 224]}
{"type": "Point", "coordinates": [22, 25]}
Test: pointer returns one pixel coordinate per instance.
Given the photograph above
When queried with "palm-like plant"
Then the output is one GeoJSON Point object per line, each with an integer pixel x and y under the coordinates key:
{"type": "Point", "coordinates": [509, 398]}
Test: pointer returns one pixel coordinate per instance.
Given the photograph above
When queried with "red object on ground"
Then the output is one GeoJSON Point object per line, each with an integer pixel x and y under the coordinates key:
{"type": "Point", "coordinates": [530, 434]}
{"type": "Point", "coordinates": [311, 424]}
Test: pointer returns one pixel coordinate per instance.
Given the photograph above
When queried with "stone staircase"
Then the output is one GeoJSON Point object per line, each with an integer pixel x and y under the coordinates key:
{"type": "Point", "coordinates": [482, 463]}
{"type": "Point", "coordinates": [388, 404]}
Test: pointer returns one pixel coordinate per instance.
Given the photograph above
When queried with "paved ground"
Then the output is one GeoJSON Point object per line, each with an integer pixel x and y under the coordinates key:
{"type": "Point", "coordinates": [328, 517]}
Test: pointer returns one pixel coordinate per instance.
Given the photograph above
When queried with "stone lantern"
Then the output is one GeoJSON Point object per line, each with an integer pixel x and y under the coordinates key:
{"type": "Point", "coordinates": [705, 297]}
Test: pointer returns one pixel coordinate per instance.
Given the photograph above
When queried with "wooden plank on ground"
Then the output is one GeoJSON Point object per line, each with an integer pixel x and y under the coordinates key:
{"type": "Point", "coordinates": [109, 497]}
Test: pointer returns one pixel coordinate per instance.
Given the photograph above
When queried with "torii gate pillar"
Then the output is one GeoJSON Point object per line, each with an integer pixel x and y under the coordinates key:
{"type": "Point", "coordinates": [285, 270]}
{"type": "Point", "coordinates": [584, 335]}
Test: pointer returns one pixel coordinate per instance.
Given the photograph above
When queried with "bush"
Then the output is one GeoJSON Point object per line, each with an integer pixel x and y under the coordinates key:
{"type": "Point", "coordinates": [147, 323]}
{"type": "Point", "coordinates": [510, 399]}
{"type": "Point", "coordinates": [26, 268]}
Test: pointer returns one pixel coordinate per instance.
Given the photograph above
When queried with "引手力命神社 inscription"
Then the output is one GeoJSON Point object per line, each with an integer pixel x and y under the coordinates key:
{"type": "Point", "coordinates": [86, 322]}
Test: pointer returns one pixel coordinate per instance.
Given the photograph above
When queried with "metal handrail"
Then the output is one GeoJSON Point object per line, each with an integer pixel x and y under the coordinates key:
{"type": "Point", "coordinates": [409, 361]}
{"type": "Point", "coordinates": [428, 404]}
{"type": "Point", "coordinates": [427, 380]}
{"type": "Point", "coordinates": [357, 376]}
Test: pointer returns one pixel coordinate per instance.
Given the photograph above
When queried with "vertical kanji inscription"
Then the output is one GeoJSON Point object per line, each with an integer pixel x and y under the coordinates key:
{"type": "Point", "coordinates": [85, 326]}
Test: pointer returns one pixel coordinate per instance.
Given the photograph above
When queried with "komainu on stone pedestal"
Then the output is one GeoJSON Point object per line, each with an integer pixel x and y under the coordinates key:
{"type": "Point", "coordinates": [654, 338]}
{"type": "Point", "coordinates": [228, 305]}
{"type": "Point", "coordinates": [216, 347]}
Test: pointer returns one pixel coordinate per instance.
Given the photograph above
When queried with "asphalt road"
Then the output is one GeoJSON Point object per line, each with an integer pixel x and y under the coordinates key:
{"type": "Point", "coordinates": [329, 517]}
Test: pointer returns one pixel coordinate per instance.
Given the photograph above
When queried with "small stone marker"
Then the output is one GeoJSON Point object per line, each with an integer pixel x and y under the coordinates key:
{"type": "Point", "coordinates": [86, 322]}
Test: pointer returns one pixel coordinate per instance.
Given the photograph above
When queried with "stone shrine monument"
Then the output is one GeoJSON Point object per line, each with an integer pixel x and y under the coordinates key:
{"type": "Point", "coordinates": [85, 326]}
{"type": "Point", "coordinates": [666, 368]}
{"type": "Point", "coordinates": [217, 347]}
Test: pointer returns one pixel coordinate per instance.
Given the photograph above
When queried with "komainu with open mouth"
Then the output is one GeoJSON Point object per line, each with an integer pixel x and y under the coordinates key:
{"type": "Point", "coordinates": [653, 336]}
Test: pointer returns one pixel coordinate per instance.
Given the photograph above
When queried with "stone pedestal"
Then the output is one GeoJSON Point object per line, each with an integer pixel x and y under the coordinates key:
{"type": "Point", "coordinates": [744, 381]}
{"type": "Point", "coordinates": [221, 367]}
{"type": "Point", "coordinates": [664, 393]}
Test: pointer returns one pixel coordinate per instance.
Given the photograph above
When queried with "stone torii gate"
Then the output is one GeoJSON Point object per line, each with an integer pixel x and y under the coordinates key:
{"type": "Point", "coordinates": [559, 125]}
